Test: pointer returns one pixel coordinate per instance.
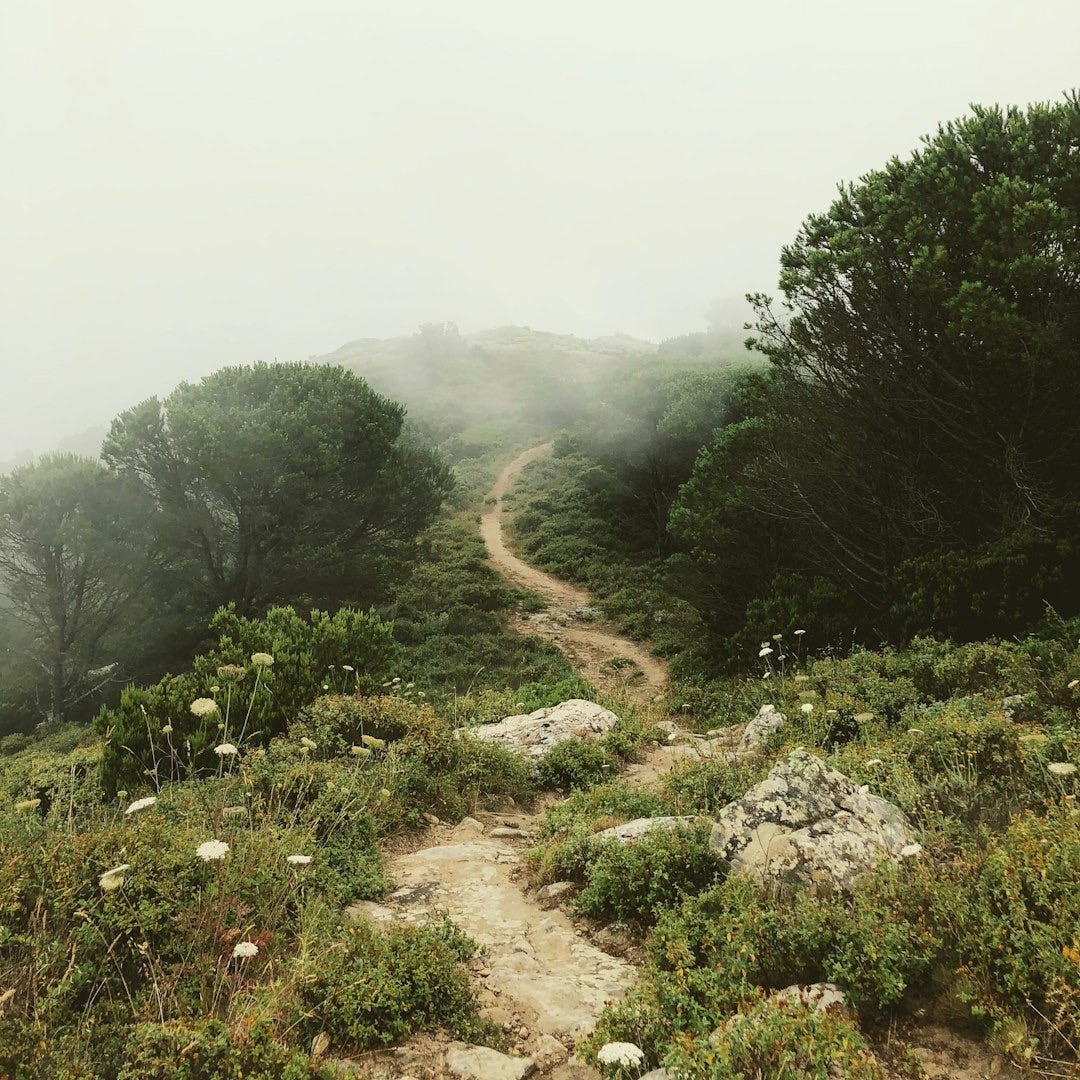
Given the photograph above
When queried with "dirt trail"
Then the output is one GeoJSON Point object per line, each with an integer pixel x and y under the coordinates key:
{"type": "Point", "coordinates": [593, 648]}
{"type": "Point", "coordinates": [540, 976]}
{"type": "Point", "coordinates": [540, 979]}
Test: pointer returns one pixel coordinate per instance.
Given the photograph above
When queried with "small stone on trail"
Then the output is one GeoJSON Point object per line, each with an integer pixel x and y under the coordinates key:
{"type": "Point", "coordinates": [468, 827]}
{"type": "Point", "coordinates": [481, 1063]}
{"type": "Point", "coordinates": [550, 895]}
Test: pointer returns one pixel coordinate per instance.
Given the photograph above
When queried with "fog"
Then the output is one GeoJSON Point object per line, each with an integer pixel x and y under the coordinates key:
{"type": "Point", "coordinates": [190, 185]}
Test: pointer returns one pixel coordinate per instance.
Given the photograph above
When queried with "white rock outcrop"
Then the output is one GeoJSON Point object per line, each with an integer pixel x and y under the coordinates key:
{"type": "Point", "coordinates": [534, 734]}
{"type": "Point", "coordinates": [807, 824]}
{"type": "Point", "coordinates": [639, 828]}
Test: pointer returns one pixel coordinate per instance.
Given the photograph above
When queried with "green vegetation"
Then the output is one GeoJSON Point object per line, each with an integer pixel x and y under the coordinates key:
{"type": "Point", "coordinates": [906, 461]}
{"type": "Point", "coordinates": [214, 907]}
{"type": "Point", "coordinates": [273, 593]}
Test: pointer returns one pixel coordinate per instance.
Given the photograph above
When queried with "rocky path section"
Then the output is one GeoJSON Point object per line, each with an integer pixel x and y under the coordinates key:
{"type": "Point", "coordinates": [541, 980]}
{"type": "Point", "coordinates": [594, 649]}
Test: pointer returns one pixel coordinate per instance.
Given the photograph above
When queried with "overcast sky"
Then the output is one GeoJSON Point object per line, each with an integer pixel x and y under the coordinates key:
{"type": "Point", "coordinates": [187, 185]}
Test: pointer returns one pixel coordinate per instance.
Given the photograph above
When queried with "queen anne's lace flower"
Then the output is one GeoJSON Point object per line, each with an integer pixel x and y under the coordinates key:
{"type": "Point", "coordinates": [910, 850]}
{"type": "Point", "coordinates": [203, 706]}
{"type": "Point", "coordinates": [298, 860]}
{"type": "Point", "coordinates": [627, 1055]}
{"type": "Point", "coordinates": [1061, 768]}
{"type": "Point", "coordinates": [807, 708]}
{"type": "Point", "coordinates": [309, 744]}
{"type": "Point", "coordinates": [212, 850]}
{"type": "Point", "coordinates": [114, 878]}
{"type": "Point", "coordinates": [262, 659]}
{"type": "Point", "coordinates": [244, 950]}
{"type": "Point", "coordinates": [141, 804]}
{"type": "Point", "coordinates": [226, 749]}
{"type": "Point", "coordinates": [764, 651]}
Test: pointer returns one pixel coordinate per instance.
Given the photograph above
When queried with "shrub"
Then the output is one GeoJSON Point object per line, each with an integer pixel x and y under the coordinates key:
{"type": "Point", "coordinates": [253, 701]}
{"type": "Point", "coordinates": [783, 1042]}
{"type": "Point", "coordinates": [1019, 946]}
{"type": "Point", "coordinates": [634, 882]}
{"type": "Point", "coordinates": [577, 763]}
{"type": "Point", "coordinates": [380, 986]}
{"type": "Point", "coordinates": [208, 1050]}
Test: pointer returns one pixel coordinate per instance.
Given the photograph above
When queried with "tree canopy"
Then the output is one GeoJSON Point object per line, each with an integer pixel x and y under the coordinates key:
{"type": "Point", "coordinates": [280, 482]}
{"type": "Point", "coordinates": [926, 367]}
{"type": "Point", "coordinates": [75, 547]}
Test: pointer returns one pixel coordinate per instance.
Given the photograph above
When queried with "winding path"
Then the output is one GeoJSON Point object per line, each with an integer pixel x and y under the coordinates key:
{"type": "Point", "coordinates": [594, 649]}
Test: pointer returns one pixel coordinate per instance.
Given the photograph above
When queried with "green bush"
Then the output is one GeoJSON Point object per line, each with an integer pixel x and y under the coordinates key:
{"type": "Point", "coordinates": [782, 1042]}
{"type": "Point", "coordinates": [379, 986]}
{"type": "Point", "coordinates": [254, 701]}
{"type": "Point", "coordinates": [635, 882]}
{"type": "Point", "coordinates": [1020, 943]}
{"type": "Point", "coordinates": [208, 1050]}
{"type": "Point", "coordinates": [577, 763]}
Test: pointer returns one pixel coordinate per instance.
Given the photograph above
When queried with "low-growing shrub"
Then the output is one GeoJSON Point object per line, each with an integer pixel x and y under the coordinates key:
{"type": "Point", "coordinates": [208, 1050]}
{"type": "Point", "coordinates": [780, 1041]}
{"type": "Point", "coordinates": [636, 881]}
{"type": "Point", "coordinates": [379, 986]}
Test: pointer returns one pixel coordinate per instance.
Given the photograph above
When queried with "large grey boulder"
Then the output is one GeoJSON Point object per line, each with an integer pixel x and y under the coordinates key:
{"type": "Point", "coordinates": [808, 824]}
{"type": "Point", "coordinates": [534, 734]}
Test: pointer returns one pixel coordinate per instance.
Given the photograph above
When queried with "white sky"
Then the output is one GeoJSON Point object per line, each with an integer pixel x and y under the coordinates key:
{"type": "Point", "coordinates": [192, 184]}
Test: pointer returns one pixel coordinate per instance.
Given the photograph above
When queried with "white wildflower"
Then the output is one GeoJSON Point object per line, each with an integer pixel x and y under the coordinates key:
{"type": "Point", "coordinates": [910, 850]}
{"type": "Point", "coordinates": [244, 950]}
{"type": "Point", "coordinates": [807, 708]}
{"type": "Point", "coordinates": [167, 729]}
{"type": "Point", "coordinates": [372, 743]}
{"type": "Point", "coordinates": [262, 659]}
{"type": "Point", "coordinates": [360, 751]}
{"type": "Point", "coordinates": [234, 811]}
{"type": "Point", "coordinates": [800, 632]}
{"type": "Point", "coordinates": [874, 761]}
{"type": "Point", "coordinates": [203, 706]}
{"type": "Point", "coordinates": [765, 651]}
{"type": "Point", "coordinates": [347, 667]}
{"type": "Point", "coordinates": [212, 850]}
{"type": "Point", "coordinates": [114, 878]}
{"type": "Point", "coordinates": [627, 1055]}
{"type": "Point", "coordinates": [141, 804]}
{"type": "Point", "coordinates": [226, 749]}
{"type": "Point", "coordinates": [298, 860]}
{"type": "Point", "coordinates": [1061, 768]}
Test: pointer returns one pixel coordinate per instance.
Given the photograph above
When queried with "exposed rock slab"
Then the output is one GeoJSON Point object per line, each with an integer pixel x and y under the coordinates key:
{"type": "Point", "coordinates": [808, 824]}
{"type": "Point", "coordinates": [534, 959]}
{"type": "Point", "coordinates": [534, 734]}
